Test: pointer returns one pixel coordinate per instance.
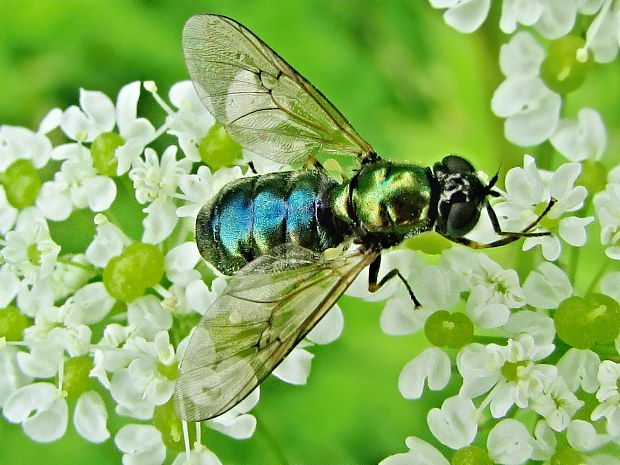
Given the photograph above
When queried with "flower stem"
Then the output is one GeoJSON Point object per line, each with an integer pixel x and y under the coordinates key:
{"type": "Point", "coordinates": [597, 277]}
{"type": "Point", "coordinates": [266, 433]}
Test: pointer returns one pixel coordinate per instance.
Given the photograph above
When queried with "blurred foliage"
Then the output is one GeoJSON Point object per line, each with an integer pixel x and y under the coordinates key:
{"type": "Point", "coordinates": [412, 86]}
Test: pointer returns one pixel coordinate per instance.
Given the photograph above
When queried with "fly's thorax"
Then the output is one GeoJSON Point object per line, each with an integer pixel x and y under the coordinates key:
{"type": "Point", "coordinates": [388, 198]}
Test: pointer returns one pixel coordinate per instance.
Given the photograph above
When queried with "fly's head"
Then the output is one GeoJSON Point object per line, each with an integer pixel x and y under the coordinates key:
{"type": "Point", "coordinates": [461, 196]}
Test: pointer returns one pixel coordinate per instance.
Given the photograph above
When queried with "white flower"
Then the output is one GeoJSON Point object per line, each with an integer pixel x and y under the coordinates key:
{"type": "Point", "coordinates": [609, 396]}
{"type": "Point", "coordinates": [295, 368]}
{"type": "Point", "coordinates": [610, 285]}
{"type": "Point", "coordinates": [12, 377]}
{"type": "Point", "coordinates": [509, 443]}
{"type": "Point", "coordinates": [556, 403]}
{"type": "Point", "coordinates": [603, 35]}
{"type": "Point", "coordinates": [141, 386]}
{"type": "Point", "coordinates": [529, 189]}
{"type": "Point", "coordinates": [109, 242]}
{"type": "Point", "coordinates": [141, 445]}
{"type": "Point", "coordinates": [454, 424]}
{"type": "Point", "coordinates": [583, 138]}
{"type": "Point", "coordinates": [544, 441]}
{"type": "Point", "coordinates": [191, 122]}
{"type": "Point", "coordinates": [200, 456]}
{"type": "Point", "coordinates": [509, 372]}
{"type": "Point", "coordinates": [547, 286]}
{"type": "Point", "coordinates": [530, 108]}
{"type": "Point", "coordinates": [155, 181]}
{"type": "Point", "coordinates": [579, 368]}
{"type": "Point", "coordinates": [29, 249]}
{"type": "Point", "coordinates": [539, 327]}
{"type": "Point", "coordinates": [22, 143]}
{"type": "Point", "coordinates": [432, 365]}
{"type": "Point", "coordinates": [76, 185]}
{"type": "Point", "coordinates": [98, 115]}
{"type": "Point", "coordinates": [200, 187]}
{"type": "Point", "coordinates": [464, 15]}
{"type": "Point", "coordinates": [236, 422]}
{"type": "Point", "coordinates": [552, 18]}
{"type": "Point", "coordinates": [41, 410]}
{"type": "Point", "coordinates": [147, 315]}
{"type": "Point", "coordinates": [90, 417]}
{"type": "Point", "coordinates": [420, 453]}
{"type": "Point", "coordinates": [582, 436]}
{"type": "Point", "coordinates": [607, 207]}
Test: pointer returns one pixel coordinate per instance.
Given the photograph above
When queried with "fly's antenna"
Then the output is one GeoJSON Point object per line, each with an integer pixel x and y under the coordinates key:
{"type": "Point", "coordinates": [492, 182]}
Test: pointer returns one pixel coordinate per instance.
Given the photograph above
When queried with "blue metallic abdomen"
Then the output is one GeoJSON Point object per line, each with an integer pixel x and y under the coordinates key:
{"type": "Point", "coordinates": [250, 216]}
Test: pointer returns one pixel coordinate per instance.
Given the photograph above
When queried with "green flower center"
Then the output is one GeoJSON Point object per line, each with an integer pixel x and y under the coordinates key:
{"type": "Point", "coordinates": [562, 70]}
{"type": "Point", "coordinates": [449, 330]}
{"type": "Point", "coordinates": [21, 184]}
{"type": "Point", "coordinates": [12, 323]}
{"type": "Point", "coordinates": [102, 150]}
{"type": "Point", "coordinates": [127, 276]}
{"type": "Point", "coordinates": [218, 149]}
{"type": "Point", "coordinates": [471, 455]}
{"type": "Point", "coordinates": [76, 379]}
{"type": "Point", "coordinates": [33, 254]}
{"type": "Point", "coordinates": [171, 372]}
{"type": "Point", "coordinates": [512, 370]}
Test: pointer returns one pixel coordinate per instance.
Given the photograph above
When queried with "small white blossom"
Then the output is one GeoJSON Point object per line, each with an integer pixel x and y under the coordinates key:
{"type": "Point", "coordinates": [579, 369]}
{"type": "Point", "coordinates": [547, 286]}
{"type": "Point", "coordinates": [237, 422]}
{"type": "Point", "coordinates": [582, 436]}
{"type": "Point", "coordinates": [464, 15]}
{"type": "Point", "coordinates": [539, 327]}
{"type": "Point", "coordinates": [76, 185]}
{"type": "Point", "coordinates": [431, 366]}
{"type": "Point", "coordinates": [552, 18]}
{"type": "Point", "coordinates": [155, 180]}
{"type": "Point", "coordinates": [603, 35]}
{"type": "Point", "coordinates": [509, 443]}
{"type": "Point", "coordinates": [141, 445]}
{"type": "Point", "coordinates": [609, 396]}
{"type": "Point", "coordinates": [529, 189]}
{"type": "Point", "coordinates": [583, 138]}
{"type": "Point", "coordinates": [420, 453]}
{"type": "Point", "coordinates": [556, 403]}
{"type": "Point", "coordinates": [191, 122]}
{"type": "Point", "coordinates": [454, 424]}
{"type": "Point", "coordinates": [530, 108]}
{"type": "Point", "coordinates": [109, 242]}
{"type": "Point", "coordinates": [508, 372]}
{"type": "Point", "coordinates": [607, 206]}
{"type": "Point", "coordinates": [41, 410]}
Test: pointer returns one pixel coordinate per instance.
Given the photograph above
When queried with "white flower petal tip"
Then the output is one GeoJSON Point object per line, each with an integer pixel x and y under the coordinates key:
{"type": "Point", "coordinates": [420, 453]}
{"type": "Point", "coordinates": [509, 443]}
{"type": "Point", "coordinates": [454, 424]}
{"type": "Point", "coordinates": [431, 366]}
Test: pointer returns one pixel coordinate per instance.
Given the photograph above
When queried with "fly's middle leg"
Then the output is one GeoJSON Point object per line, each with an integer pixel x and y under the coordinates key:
{"type": "Point", "coordinates": [373, 276]}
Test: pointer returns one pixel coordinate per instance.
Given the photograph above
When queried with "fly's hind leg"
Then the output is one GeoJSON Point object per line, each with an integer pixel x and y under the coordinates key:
{"type": "Point", "coordinates": [373, 275]}
{"type": "Point", "coordinates": [509, 236]}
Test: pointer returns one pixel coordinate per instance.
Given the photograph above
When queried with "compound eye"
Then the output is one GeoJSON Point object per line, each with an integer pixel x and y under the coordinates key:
{"type": "Point", "coordinates": [462, 218]}
{"type": "Point", "coordinates": [457, 164]}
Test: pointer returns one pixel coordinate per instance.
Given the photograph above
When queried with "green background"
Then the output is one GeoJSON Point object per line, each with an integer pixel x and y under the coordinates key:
{"type": "Point", "coordinates": [412, 86]}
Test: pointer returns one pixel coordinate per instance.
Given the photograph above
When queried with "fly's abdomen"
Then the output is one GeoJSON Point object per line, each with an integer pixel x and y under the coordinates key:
{"type": "Point", "coordinates": [250, 216]}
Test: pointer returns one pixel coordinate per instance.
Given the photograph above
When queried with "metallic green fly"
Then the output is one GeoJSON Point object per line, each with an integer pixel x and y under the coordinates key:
{"type": "Point", "coordinates": [270, 231]}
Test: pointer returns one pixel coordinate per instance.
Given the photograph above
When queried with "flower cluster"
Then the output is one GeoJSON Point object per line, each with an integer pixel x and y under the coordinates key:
{"type": "Point", "coordinates": [100, 331]}
{"type": "Point", "coordinates": [108, 325]}
{"type": "Point", "coordinates": [537, 360]}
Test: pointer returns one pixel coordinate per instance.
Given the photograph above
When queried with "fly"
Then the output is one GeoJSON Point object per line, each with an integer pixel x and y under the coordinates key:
{"type": "Point", "coordinates": [270, 231]}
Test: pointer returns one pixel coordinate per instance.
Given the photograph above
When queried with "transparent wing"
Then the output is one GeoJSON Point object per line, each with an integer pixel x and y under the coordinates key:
{"type": "Point", "coordinates": [265, 105]}
{"type": "Point", "coordinates": [266, 309]}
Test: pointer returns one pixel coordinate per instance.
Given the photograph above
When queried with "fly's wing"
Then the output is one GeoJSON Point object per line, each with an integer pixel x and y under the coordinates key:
{"type": "Point", "coordinates": [266, 309]}
{"type": "Point", "coordinates": [265, 105]}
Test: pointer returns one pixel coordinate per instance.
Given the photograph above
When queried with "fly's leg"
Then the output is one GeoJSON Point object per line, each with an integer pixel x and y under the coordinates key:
{"type": "Point", "coordinates": [312, 161]}
{"type": "Point", "coordinates": [509, 236]}
{"type": "Point", "coordinates": [252, 168]}
{"type": "Point", "coordinates": [373, 275]}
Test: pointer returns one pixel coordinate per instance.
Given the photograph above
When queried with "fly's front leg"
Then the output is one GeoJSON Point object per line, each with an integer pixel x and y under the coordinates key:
{"type": "Point", "coordinates": [509, 236]}
{"type": "Point", "coordinates": [373, 275]}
